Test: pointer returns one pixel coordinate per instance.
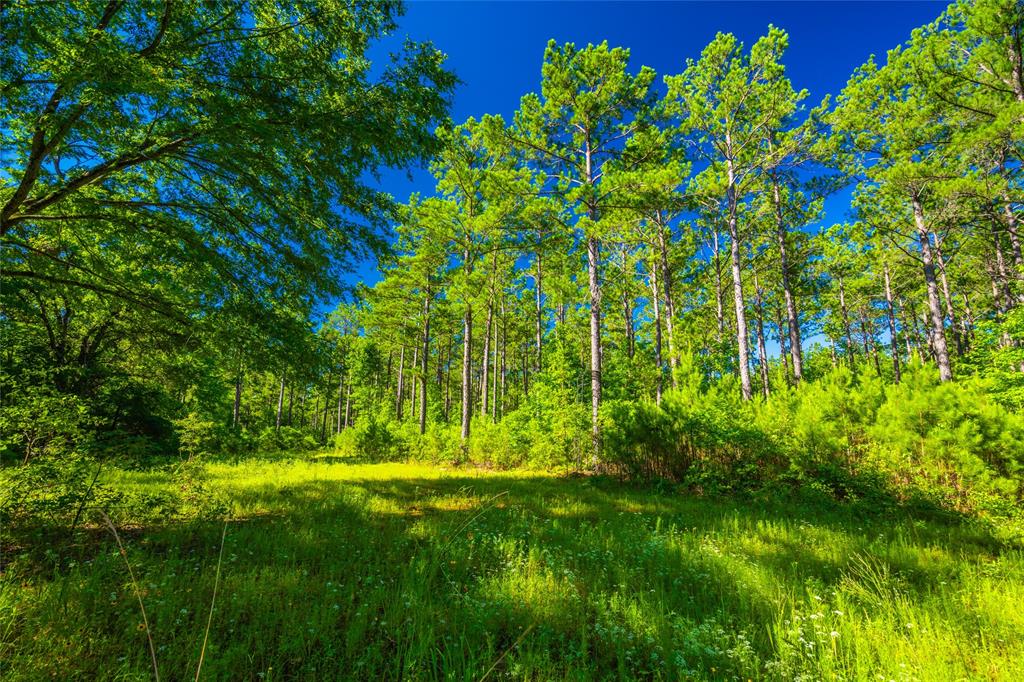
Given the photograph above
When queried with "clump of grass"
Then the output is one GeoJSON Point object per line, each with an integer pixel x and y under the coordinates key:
{"type": "Point", "coordinates": [386, 571]}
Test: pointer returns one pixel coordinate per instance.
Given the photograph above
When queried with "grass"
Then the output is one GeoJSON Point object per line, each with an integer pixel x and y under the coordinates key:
{"type": "Point", "coordinates": [399, 571]}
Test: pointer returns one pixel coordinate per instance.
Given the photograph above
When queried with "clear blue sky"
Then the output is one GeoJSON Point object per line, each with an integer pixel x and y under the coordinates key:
{"type": "Point", "coordinates": [496, 48]}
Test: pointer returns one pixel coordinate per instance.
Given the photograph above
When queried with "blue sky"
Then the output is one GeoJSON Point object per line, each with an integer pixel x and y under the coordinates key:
{"type": "Point", "coordinates": [496, 48]}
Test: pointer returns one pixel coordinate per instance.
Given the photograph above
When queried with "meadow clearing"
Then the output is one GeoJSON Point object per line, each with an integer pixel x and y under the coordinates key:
{"type": "Point", "coordinates": [339, 570]}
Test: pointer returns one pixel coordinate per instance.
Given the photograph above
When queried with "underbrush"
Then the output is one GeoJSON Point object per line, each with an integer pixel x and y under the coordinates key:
{"type": "Point", "coordinates": [848, 435]}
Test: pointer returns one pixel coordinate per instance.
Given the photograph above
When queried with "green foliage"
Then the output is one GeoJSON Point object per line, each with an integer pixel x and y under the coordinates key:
{"type": "Point", "coordinates": [848, 435]}
{"type": "Point", "coordinates": [997, 357]}
{"type": "Point", "coordinates": [195, 435]}
{"type": "Point", "coordinates": [50, 493]}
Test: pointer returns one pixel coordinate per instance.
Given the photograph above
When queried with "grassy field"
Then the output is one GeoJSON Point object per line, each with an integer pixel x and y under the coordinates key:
{"type": "Point", "coordinates": [345, 571]}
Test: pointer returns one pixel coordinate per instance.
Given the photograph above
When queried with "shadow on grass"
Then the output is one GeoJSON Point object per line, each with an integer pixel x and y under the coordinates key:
{"type": "Point", "coordinates": [438, 578]}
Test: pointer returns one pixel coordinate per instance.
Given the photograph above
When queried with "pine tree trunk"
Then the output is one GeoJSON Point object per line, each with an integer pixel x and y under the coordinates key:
{"type": "Point", "coordinates": [327, 410]}
{"type": "Point", "coordinates": [424, 356]}
{"type": "Point", "coordinates": [485, 362]}
{"type": "Point", "coordinates": [909, 333]}
{"type": "Point", "coordinates": [467, 371]}
{"type": "Point", "coordinates": [792, 318]}
{"type": "Point", "coordinates": [500, 405]}
{"type": "Point", "coordinates": [968, 319]}
{"type": "Point", "coordinates": [348, 401]}
{"type": "Point", "coordinates": [538, 299]}
{"type": "Point", "coordinates": [400, 386]}
{"type": "Point", "coordinates": [656, 304]}
{"type": "Point", "coordinates": [1001, 281]}
{"type": "Point", "coordinates": [237, 409]}
{"type": "Point", "coordinates": [415, 381]}
{"type": "Point", "coordinates": [387, 374]}
{"type": "Point", "coordinates": [494, 375]}
{"type": "Point", "coordinates": [448, 380]}
{"type": "Point", "coordinates": [665, 283]}
{"type": "Point", "coordinates": [291, 402]}
{"type": "Point", "coordinates": [762, 349]}
{"type": "Point", "coordinates": [784, 354]}
{"type": "Point", "coordinates": [846, 322]}
{"type": "Point", "coordinates": [938, 332]}
{"type": "Point", "coordinates": [627, 315]}
{"type": "Point", "coordinates": [742, 335]}
{"type": "Point", "coordinates": [341, 396]}
{"type": "Point", "coordinates": [954, 325]}
{"type": "Point", "coordinates": [890, 314]}
{"type": "Point", "coordinates": [719, 290]}
{"type": "Point", "coordinates": [594, 293]}
{"type": "Point", "coordinates": [280, 407]}
{"type": "Point", "coordinates": [1012, 232]}
{"type": "Point", "coordinates": [526, 376]}
{"type": "Point", "coordinates": [869, 344]}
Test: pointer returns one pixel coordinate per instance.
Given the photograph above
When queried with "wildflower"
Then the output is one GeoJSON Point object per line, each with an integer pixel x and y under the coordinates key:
{"type": "Point", "coordinates": [141, 627]}
{"type": "Point", "coordinates": [834, 634]}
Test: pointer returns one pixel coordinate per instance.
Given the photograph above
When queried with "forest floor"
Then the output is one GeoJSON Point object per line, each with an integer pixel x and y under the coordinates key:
{"type": "Point", "coordinates": [333, 570]}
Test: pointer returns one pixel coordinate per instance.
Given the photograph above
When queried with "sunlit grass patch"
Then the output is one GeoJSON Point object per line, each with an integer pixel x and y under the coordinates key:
{"type": "Point", "coordinates": [357, 571]}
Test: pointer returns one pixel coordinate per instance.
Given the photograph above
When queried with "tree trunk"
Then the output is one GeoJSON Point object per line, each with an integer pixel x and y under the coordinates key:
{"type": "Point", "coordinates": [485, 362]}
{"type": "Point", "coordinates": [499, 406]}
{"type": "Point", "coordinates": [538, 299]}
{"type": "Point", "coordinates": [348, 401]}
{"type": "Point", "coordinates": [280, 407]}
{"type": "Point", "coordinates": [869, 344]}
{"type": "Point", "coordinates": [890, 314]}
{"type": "Point", "coordinates": [909, 335]}
{"type": "Point", "coordinates": [448, 380]}
{"type": "Point", "coordinates": [387, 373]}
{"type": "Point", "coordinates": [526, 376]}
{"type": "Point", "coordinates": [762, 349]}
{"type": "Point", "coordinates": [784, 354]}
{"type": "Point", "coordinates": [400, 386]}
{"type": "Point", "coordinates": [424, 355]}
{"type": "Point", "coordinates": [656, 304]}
{"type": "Point", "coordinates": [792, 318]}
{"type": "Point", "coordinates": [494, 374]}
{"type": "Point", "coordinates": [968, 319]}
{"type": "Point", "coordinates": [665, 283]}
{"type": "Point", "coordinates": [719, 290]}
{"type": "Point", "coordinates": [1011, 231]}
{"type": "Point", "coordinates": [846, 321]}
{"type": "Point", "coordinates": [594, 293]}
{"type": "Point", "coordinates": [291, 402]}
{"type": "Point", "coordinates": [938, 332]}
{"type": "Point", "coordinates": [467, 371]}
{"type": "Point", "coordinates": [950, 312]}
{"type": "Point", "coordinates": [341, 396]}
{"type": "Point", "coordinates": [627, 319]}
{"type": "Point", "coordinates": [236, 411]}
{"type": "Point", "coordinates": [1004, 299]}
{"type": "Point", "coordinates": [742, 335]}
{"type": "Point", "coordinates": [415, 381]}
{"type": "Point", "coordinates": [327, 410]}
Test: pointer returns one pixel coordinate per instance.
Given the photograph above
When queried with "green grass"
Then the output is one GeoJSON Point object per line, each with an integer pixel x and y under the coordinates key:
{"type": "Point", "coordinates": [399, 571]}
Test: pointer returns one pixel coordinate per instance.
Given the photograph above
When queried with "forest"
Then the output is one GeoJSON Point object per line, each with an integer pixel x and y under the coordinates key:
{"type": "Point", "coordinates": [618, 402]}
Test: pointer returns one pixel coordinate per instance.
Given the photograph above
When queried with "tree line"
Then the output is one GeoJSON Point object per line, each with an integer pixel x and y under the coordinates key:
{"type": "Point", "coordinates": [169, 232]}
{"type": "Point", "coordinates": [612, 226]}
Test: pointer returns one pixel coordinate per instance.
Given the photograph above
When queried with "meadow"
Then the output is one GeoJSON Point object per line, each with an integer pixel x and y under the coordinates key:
{"type": "Point", "coordinates": [334, 569]}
